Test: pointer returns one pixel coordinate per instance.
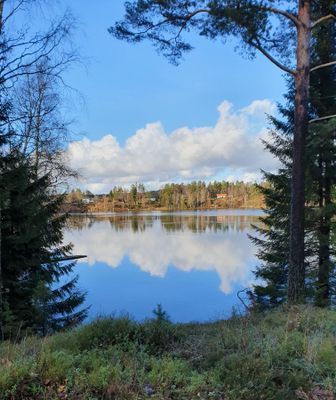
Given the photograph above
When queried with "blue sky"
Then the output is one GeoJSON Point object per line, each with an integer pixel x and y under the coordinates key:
{"type": "Point", "coordinates": [128, 86]}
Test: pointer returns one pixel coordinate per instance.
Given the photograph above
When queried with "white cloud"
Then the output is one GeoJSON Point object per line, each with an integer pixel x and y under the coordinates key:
{"type": "Point", "coordinates": [260, 107]}
{"type": "Point", "coordinates": [151, 155]}
{"type": "Point", "coordinates": [246, 177]}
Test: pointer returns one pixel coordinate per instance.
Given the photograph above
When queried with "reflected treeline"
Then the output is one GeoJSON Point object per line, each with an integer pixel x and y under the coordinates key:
{"type": "Point", "coordinates": [203, 223]}
{"type": "Point", "coordinates": [168, 222]}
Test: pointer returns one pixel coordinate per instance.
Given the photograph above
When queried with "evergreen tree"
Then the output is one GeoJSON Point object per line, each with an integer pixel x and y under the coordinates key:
{"type": "Point", "coordinates": [322, 150]}
{"type": "Point", "coordinates": [272, 239]}
{"type": "Point", "coordinates": [320, 179]}
{"type": "Point", "coordinates": [35, 295]}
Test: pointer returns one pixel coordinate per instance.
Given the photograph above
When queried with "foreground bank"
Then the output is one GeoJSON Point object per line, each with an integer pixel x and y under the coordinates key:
{"type": "Point", "coordinates": [278, 355]}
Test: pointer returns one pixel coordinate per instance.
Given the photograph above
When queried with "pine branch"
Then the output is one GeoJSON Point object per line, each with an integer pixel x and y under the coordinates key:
{"type": "Point", "coordinates": [184, 18]}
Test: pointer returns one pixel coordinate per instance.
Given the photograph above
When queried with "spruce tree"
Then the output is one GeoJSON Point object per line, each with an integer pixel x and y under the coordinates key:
{"type": "Point", "coordinates": [35, 295]}
{"type": "Point", "coordinates": [273, 232]}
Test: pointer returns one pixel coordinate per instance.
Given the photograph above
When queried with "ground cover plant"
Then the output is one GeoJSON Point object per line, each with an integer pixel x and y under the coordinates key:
{"type": "Point", "coordinates": [281, 354]}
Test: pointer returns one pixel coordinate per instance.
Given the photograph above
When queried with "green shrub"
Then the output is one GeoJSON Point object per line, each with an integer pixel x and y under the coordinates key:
{"type": "Point", "coordinates": [159, 336]}
{"type": "Point", "coordinates": [56, 365]}
{"type": "Point", "coordinates": [268, 356]}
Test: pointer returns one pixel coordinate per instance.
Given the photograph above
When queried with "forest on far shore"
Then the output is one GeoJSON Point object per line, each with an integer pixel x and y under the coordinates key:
{"type": "Point", "coordinates": [172, 196]}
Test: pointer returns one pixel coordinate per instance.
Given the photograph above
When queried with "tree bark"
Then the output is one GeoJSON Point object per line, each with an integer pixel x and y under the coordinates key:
{"type": "Point", "coordinates": [296, 271]}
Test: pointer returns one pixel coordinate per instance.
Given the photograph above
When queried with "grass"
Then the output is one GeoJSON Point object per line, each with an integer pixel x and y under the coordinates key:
{"type": "Point", "coordinates": [283, 354]}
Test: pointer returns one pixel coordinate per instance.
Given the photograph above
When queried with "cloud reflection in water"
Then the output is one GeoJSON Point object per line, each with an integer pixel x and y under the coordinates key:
{"type": "Point", "coordinates": [156, 242]}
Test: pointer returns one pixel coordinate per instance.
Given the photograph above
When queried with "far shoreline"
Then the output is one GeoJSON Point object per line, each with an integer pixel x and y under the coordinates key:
{"type": "Point", "coordinates": [164, 211]}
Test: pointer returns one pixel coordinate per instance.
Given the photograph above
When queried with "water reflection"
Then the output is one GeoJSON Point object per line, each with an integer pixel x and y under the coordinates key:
{"type": "Point", "coordinates": [157, 243]}
{"type": "Point", "coordinates": [173, 222]}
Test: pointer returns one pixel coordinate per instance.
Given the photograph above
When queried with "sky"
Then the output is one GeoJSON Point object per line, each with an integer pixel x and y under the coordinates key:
{"type": "Point", "coordinates": [141, 119]}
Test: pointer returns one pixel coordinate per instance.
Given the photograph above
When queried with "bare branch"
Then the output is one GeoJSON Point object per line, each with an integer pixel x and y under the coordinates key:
{"type": "Point", "coordinates": [241, 299]}
{"type": "Point", "coordinates": [329, 64]}
{"type": "Point", "coordinates": [272, 59]}
{"type": "Point", "coordinates": [320, 20]}
{"type": "Point", "coordinates": [11, 13]}
{"type": "Point", "coordinates": [284, 13]}
{"type": "Point", "coordinates": [322, 118]}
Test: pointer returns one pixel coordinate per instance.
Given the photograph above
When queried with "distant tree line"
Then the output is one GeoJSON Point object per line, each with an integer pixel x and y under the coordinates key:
{"type": "Point", "coordinates": [214, 194]}
{"type": "Point", "coordinates": [172, 196]}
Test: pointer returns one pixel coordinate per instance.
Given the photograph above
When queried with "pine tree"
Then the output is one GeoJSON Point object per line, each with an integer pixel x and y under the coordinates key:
{"type": "Point", "coordinates": [320, 179]}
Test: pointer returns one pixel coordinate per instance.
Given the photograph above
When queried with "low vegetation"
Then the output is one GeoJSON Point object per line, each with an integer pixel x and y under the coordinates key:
{"type": "Point", "coordinates": [282, 354]}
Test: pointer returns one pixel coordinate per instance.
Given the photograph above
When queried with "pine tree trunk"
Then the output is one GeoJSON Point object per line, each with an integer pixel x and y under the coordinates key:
{"type": "Point", "coordinates": [296, 273]}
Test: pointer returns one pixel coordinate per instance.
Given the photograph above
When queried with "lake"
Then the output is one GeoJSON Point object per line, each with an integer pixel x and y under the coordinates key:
{"type": "Point", "coordinates": [192, 263]}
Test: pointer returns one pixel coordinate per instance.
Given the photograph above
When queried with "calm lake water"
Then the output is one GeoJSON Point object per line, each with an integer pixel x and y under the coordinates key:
{"type": "Point", "coordinates": [192, 263]}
